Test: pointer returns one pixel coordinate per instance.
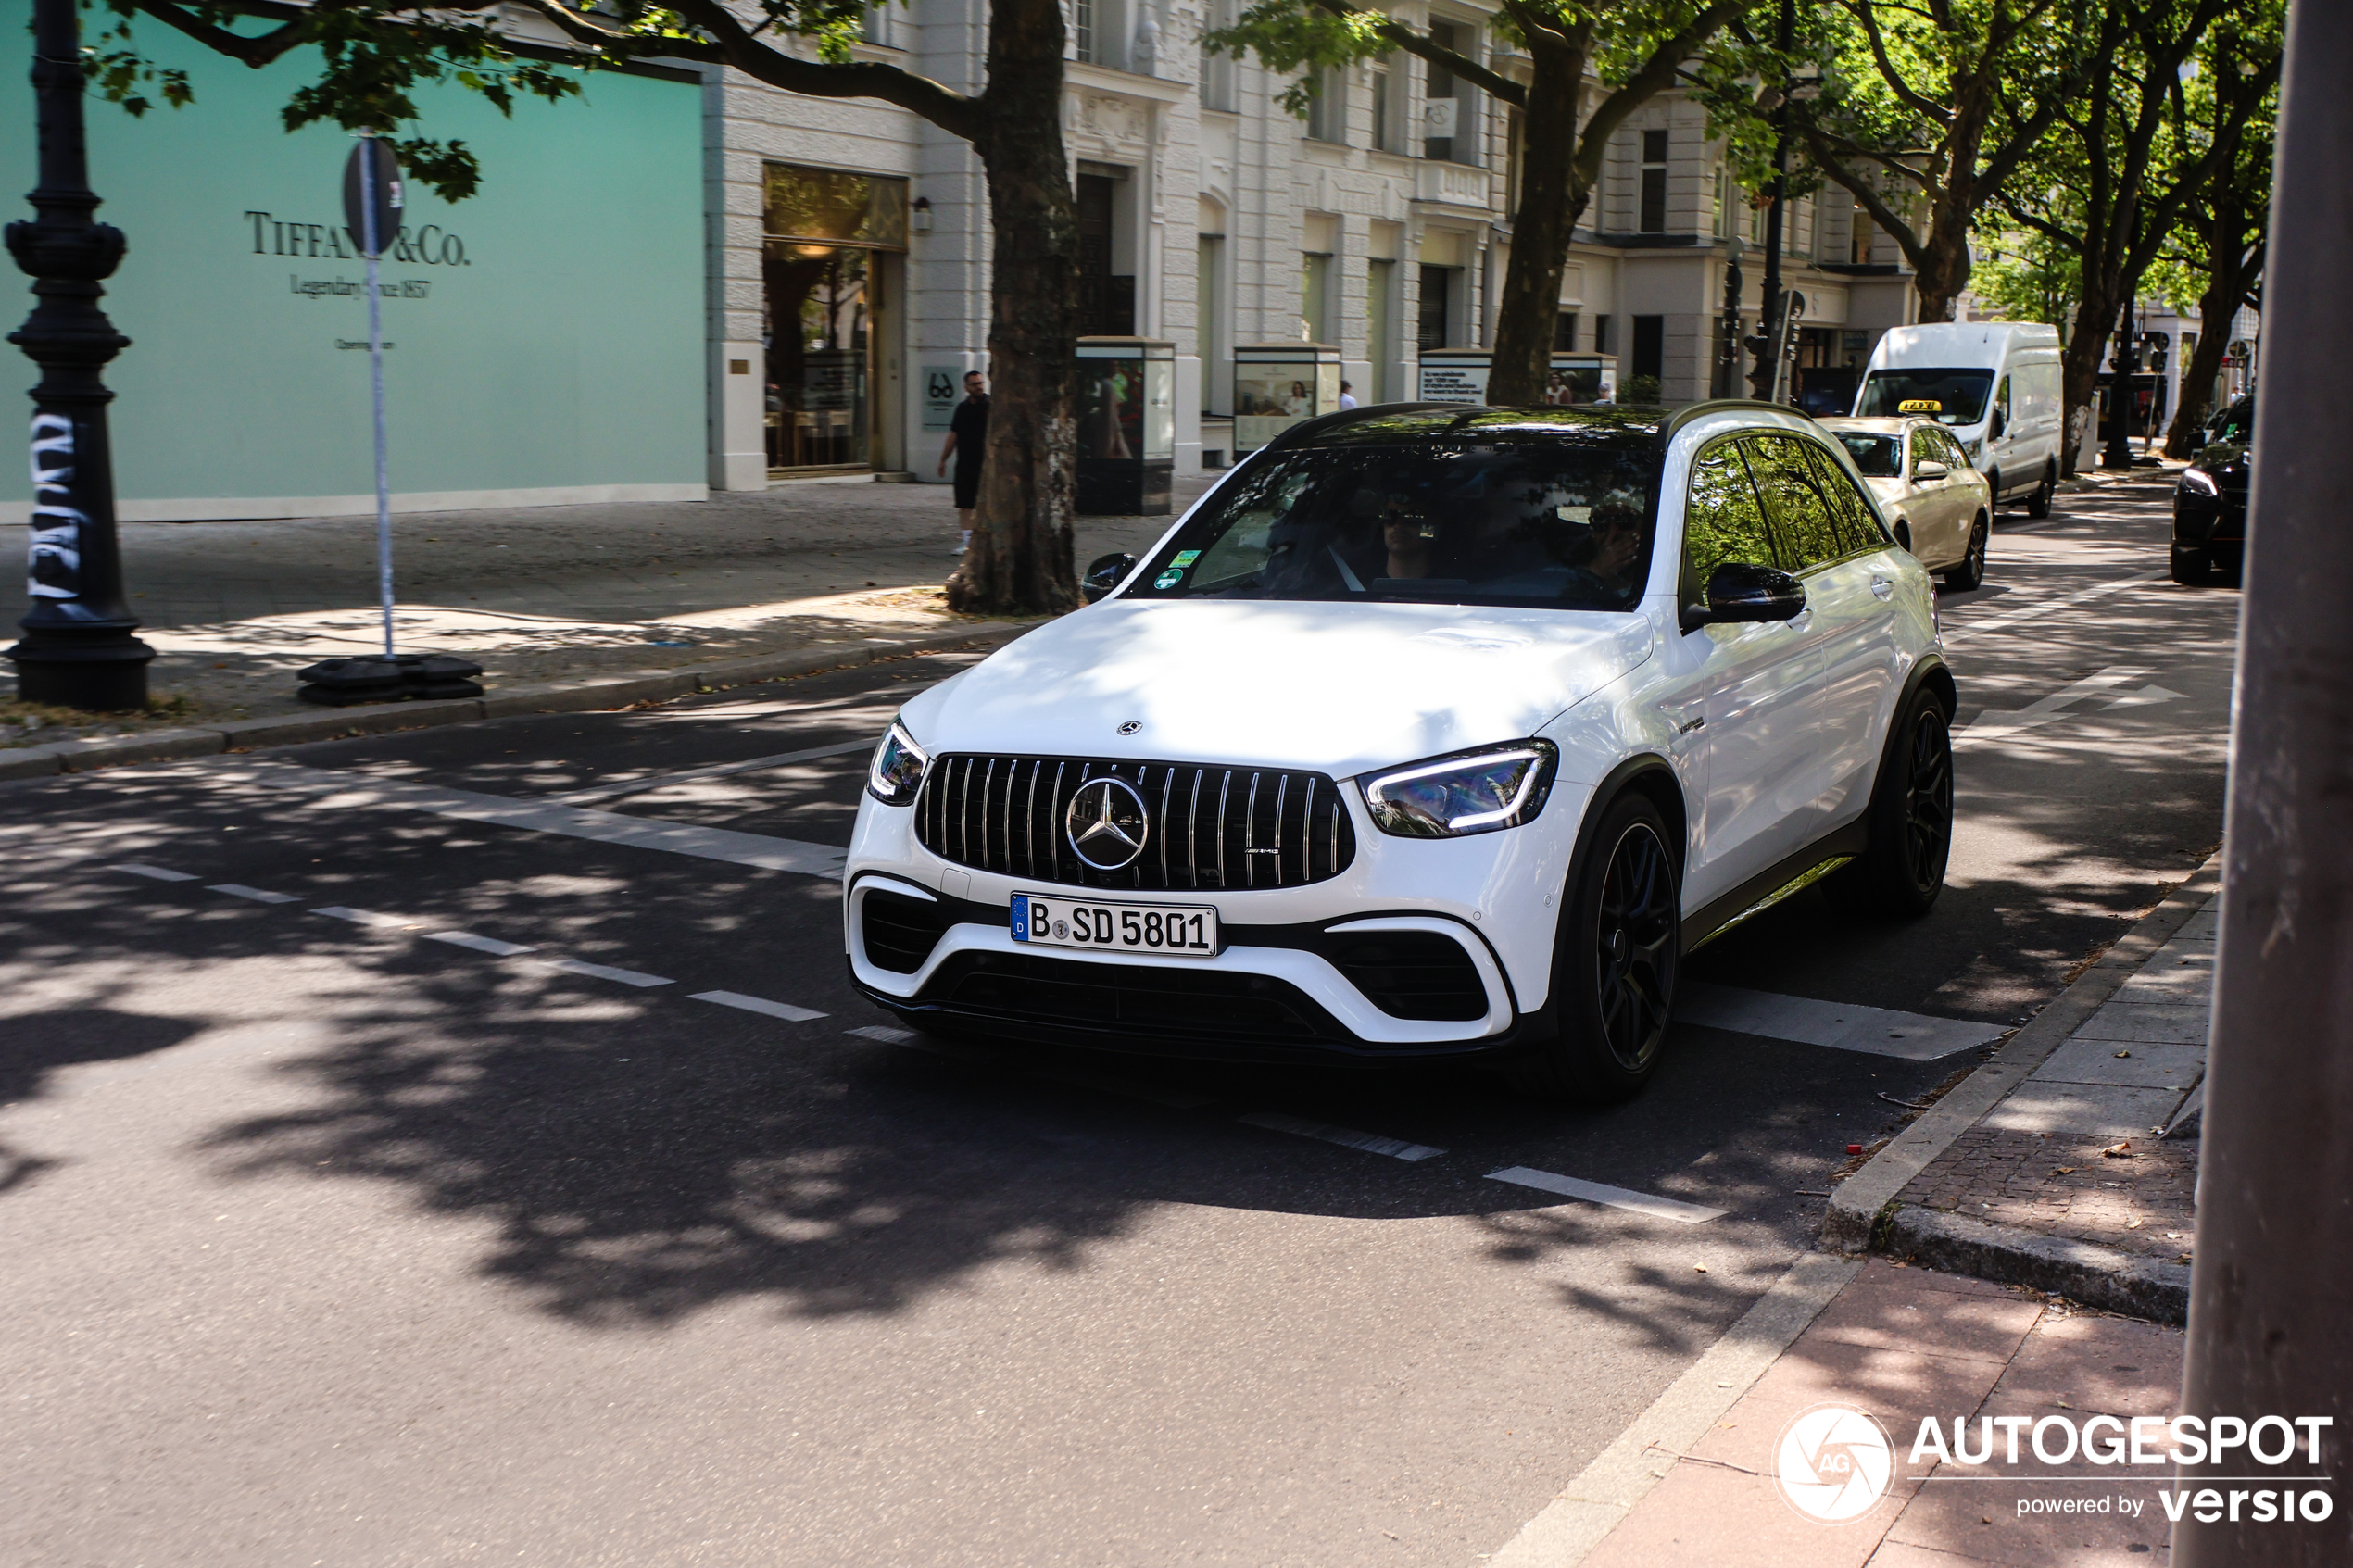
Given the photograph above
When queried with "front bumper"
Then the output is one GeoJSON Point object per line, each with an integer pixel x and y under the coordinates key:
{"type": "Point", "coordinates": [2213, 526]}
{"type": "Point", "coordinates": [1421, 948]}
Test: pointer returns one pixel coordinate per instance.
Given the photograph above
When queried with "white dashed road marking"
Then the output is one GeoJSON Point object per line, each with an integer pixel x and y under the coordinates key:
{"type": "Point", "coordinates": [157, 872]}
{"type": "Point", "coordinates": [1616, 1198]}
{"type": "Point", "coordinates": [604, 971]}
{"type": "Point", "coordinates": [490, 945]}
{"type": "Point", "coordinates": [1910, 1036]}
{"type": "Point", "coordinates": [1349, 1137]}
{"type": "Point", "coordinates": [695, 775]}
{"type": "Point", "coordinates": [366, 917]}
{"type": "Point", "coordinates": [342, 789]}
{"type": "Point", "coordinates": [1966, 627]}
{"type": "Point", "coordinates": [1996, 721]}
{"type": "Point", "coordinates": [259, 896]}
{"type": "Point", "coordinates": [886, 1034]}
{"type": "Point", "coordinates": [785, 1011]}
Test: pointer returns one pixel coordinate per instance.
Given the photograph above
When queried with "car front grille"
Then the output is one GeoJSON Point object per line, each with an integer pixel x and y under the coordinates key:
{"type": "Point", "coordinates": [1209, 828]}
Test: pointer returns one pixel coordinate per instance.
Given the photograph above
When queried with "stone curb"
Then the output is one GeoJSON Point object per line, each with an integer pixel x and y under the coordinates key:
{"type": "Point", "coordinates": [552, 696]}
{"type": "Point", "coordinates": [1860, 1203]}
{"type": "Point", "coordinates": [2097, 1276]}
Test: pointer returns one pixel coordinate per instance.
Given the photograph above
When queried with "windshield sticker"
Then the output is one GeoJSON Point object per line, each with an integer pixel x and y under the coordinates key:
{"type": "Point", "coordinates": [1919, 406]}
{"type": "Point", "coordinates": [1168, 579]}
{"type": "Point", "coordinates": [1186, 558]}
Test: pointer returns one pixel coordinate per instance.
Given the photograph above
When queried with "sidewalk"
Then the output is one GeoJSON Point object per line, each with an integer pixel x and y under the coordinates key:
{"type": "Point", "coordinates": [2068, 1161]}
{"type": "Point", "coordinates": [532, 594]}
{"type": "Point", "coordinates": [1900, 1345]}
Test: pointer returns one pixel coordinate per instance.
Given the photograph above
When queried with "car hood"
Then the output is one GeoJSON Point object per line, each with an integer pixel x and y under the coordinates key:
{"type": "Point", "coordinates": [1334, 687]}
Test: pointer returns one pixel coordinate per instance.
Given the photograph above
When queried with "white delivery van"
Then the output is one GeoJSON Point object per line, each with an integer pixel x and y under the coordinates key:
{"type": "Point", "coordinates": [1994, 385]}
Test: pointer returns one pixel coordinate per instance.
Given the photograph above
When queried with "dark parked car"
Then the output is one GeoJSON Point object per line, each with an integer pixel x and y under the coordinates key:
{"type": "Point", "coordinates": [2209, 504]}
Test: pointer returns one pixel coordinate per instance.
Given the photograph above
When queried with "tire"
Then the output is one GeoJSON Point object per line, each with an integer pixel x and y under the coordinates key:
{"type": "Point", "coordinates": [1910, 820]}
{"type": "Point", "coordinates": [2038, 504]}
{"type": "Point", "coordinates": [1972, 570]}
{"type": "Point", "coordinates": [1615, 959]}
{"type": "Point", "coordinates": [1903, 533]}
{"type": "Point", "coordinates": [2190, 568]}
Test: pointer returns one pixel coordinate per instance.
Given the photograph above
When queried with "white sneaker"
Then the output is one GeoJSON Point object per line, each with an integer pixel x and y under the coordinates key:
{"type": "Point", "coordinates": [958, 550]}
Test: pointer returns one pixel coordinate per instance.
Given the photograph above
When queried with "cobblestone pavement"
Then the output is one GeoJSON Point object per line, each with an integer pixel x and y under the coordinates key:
{"type": "Point", "coordinates": [2073, 1152]}
{"type": "Point", "coordinates": [533, 593]}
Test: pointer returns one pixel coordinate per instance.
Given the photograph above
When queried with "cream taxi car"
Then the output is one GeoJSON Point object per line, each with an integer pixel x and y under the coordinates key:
{"type": "Point", "coordinates": [1428, 731]}
{"type": "Point", "coordinates": [1941, 508]}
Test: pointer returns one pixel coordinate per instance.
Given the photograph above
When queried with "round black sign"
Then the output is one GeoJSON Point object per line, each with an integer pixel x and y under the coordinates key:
{"type": "Point", "coordinates": [373, 155]}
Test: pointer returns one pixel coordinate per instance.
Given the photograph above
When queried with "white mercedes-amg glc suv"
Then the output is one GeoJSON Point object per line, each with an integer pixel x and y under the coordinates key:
{"type": "Point", "coordinates": [1427, 732]}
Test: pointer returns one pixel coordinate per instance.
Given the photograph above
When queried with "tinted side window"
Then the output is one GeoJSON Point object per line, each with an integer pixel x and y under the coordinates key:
{"type": "Point", "coordinates": [1802, 520]}
{"type": "Point", "coordinates": [1723, 520]}
{"type": "Point", "coordinates": [1856, 524]}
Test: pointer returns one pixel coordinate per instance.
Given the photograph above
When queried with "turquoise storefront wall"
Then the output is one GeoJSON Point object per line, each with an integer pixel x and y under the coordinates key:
{"type": "Point", "coordinates": [548, 331]}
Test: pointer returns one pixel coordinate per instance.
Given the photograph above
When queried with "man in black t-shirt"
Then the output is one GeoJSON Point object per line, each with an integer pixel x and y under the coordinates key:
{"type": "Point", "coordinates": [967, 443]}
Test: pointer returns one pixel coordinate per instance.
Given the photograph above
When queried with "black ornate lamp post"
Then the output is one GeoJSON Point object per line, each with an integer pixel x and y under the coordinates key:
{"type": "Point", "coordinates": [78, 650]}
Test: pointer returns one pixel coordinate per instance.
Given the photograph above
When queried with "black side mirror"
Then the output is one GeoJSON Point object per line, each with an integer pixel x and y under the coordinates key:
{"type": "Point", "coordinates": [1742, 591]}
{"type": "Point", "coordinates": [1103, 574]}
{"type": "Point", "coordinates": [2000, 420]}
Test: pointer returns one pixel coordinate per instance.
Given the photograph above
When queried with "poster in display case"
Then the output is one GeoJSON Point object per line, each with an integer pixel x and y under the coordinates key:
{"type": "Point", "coordinates": [1459, 376]}
{"type": "Point", "coordinates": [1277, 386]}
{"type": "Point", "coordinates": [1126, 390]}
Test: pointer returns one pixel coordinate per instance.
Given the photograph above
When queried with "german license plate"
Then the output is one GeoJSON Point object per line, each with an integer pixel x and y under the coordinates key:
{"type": "Point", "coordinates": [1190, 930]}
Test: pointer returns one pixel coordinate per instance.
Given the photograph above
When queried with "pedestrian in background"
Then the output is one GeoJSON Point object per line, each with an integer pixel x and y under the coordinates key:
{"type": "Point", "coordinates": [1347, 398]}
{"type": "Point", "coordinates": [967, 443]}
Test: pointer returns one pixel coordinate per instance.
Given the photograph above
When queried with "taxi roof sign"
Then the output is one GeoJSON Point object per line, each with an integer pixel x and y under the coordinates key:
{"type": "Point", "coordinates": [1919, 406]}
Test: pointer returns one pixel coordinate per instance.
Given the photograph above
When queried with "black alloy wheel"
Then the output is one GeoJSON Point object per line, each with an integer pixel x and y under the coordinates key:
{"type": "Point", "coordinates": [1910, 820]}
{"type": "Point", "coordinates": [1635, 949]}
{"type": "Point", "coordinates": [1615, 959]}
{"type": "Point", "coordinates": [1971, 572]}
{"type": "Point", "coordinates": [1928, 804]}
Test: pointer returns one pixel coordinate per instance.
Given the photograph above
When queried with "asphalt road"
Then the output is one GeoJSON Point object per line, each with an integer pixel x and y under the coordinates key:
{"type": "Point", "coordinates": [332, 1240]}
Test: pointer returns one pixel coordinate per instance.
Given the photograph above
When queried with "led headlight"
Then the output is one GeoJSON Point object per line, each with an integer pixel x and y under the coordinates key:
{"type": "Point", "coordinates": [1464, 793]}
{"type": "Point", "coordinates": [2198, 483]}
{"type": "Point", "coordinates": [896, 771]}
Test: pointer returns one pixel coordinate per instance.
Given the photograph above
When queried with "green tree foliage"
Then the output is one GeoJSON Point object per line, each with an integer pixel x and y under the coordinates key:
{"type": "Point", "coordinates": [1924, 113]}
{"type": "Point", "coordinates": [2169, 90]}
{"type": "Point", "coordinates": [1637, 48]}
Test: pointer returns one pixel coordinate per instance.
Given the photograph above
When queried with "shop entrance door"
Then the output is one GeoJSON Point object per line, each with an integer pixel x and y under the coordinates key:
{"type": "Point", "coordinates": [827, 316]}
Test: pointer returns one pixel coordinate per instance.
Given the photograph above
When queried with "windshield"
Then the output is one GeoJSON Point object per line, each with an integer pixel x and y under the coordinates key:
{"type": "Point", "coordinates": [1879, 457]}
{"type": "Point", "coordinates": [1959, 397]}
{"type": "Point", "coordinates": [1558, 523]}
{"type": "Point", "coordinates": [2235, 426]}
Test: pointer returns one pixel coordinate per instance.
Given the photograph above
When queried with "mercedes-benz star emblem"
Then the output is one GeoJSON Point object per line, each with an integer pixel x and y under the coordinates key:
{"type": "Point", "coordinates": [1130, 727]}
{"type": "Point", "coordinates": [1106, 824]}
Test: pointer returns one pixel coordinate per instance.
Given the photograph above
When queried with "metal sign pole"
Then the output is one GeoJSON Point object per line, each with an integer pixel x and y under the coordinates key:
{"type": "Point", "coordinates": [372, 243]}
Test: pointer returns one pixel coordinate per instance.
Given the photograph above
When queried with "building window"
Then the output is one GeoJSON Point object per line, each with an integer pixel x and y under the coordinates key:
{"type": "Point", "coordinates": [1858, 235]}
{"type": "Point", "coordinates": [1565, 333]}
{"type": "Point", "coordinates": [1650, 347]}
{"type": "Point", "coordinates": [1437, 303]}
{"type": "Point", "coordinates": [1443, 109]}
{"type": "Point", "coordinates": [1328, 110]}
{"type": "Point", "coordinates": [1384, 133]}
{"type": "Point", "coordinates": [1652, 217]}
{"type": "Point", "coordinates": [1106, 297]}
{"type": "Point", "coordinates": [1601, 334]}
{"type": "Point", "coordinates": [1314, 295]}
{"type": "Point", "coordinates": [1380, 310]}
{"type": "Point", "coordinates": [1083, 29]}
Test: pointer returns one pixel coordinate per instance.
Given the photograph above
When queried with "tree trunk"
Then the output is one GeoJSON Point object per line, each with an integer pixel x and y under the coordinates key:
{"type": "Point", "coordinates": [2080, 364]}
{"type": "Point", "coordinates": [1941, 269]}
{"type": "Point", "coordinates": [1552, 199]}
{"type": "Point", "coordinates": [1020, 560]}
{"type": "Point", "coordinates": [2220, 303]}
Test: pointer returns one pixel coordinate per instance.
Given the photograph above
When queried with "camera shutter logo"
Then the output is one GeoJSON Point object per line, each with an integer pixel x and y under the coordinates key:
{"type": "Point", "coordinates": [1106, 824]}
{"type": "Point", "coordinates": [1833, 1463]}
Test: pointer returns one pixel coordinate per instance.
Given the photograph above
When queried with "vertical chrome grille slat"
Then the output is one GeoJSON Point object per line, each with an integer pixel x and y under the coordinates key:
{"type": "Point", "coordinates": [1192, 832]}
{"type": "Point", "coordinates": [1282, 790]}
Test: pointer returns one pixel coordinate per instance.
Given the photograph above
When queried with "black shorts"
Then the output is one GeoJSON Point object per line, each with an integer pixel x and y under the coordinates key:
{"type": "Point", "coordinates": [967, 486]}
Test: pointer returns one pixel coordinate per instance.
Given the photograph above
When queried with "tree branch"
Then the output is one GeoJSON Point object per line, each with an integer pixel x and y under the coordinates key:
{"type": "Point", "coordinates": [1927, 108]}
{"type": "Point", "coordinates": [1414, 42]}
{"type": "Point", "coordinates": [1655, 76]}
{"type": "Point", "coordinates": [944, 106]}
{"type": "Point", "coordinates": [1865, 191]}
{"type": "Point", "coordinates": [255, 51]}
